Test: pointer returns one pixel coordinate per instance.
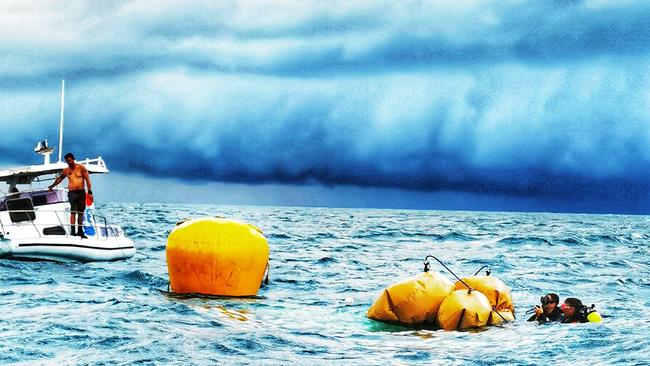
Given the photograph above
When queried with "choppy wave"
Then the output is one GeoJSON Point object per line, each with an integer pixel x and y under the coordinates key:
{"type": "Point", "coordinates": [327, 267]}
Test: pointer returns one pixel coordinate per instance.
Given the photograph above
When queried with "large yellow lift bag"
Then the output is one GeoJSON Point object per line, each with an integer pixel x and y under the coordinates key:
{"type": "Point", "coordinates": [216, 256]}
{"type": "Point", "coordinates": [412, 301]}
{"type": "Point", "coordinates": [495, 290]}
{"type": "Point", "coordinates": [500, 318]}
{"type": "Point", "coordinates": [463, 309]}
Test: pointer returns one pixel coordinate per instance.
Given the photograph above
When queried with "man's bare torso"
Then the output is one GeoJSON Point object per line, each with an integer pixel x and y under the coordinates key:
{"type": "Point", "coordinates": [75, 177]}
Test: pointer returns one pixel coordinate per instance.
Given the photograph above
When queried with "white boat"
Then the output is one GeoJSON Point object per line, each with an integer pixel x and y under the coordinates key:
{"type": "Point", "coordinates": [35, 223]}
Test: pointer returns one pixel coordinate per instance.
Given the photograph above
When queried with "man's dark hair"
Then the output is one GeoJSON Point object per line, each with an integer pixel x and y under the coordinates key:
{"type": "Point", "coordinates": [69, 155]}
{"type": "Point", "coordinates": [574, 303]}
{"type": "Point", "coordinates": [554, 298]}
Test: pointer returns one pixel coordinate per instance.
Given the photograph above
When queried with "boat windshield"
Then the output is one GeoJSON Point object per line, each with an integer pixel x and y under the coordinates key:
{"type": "Point", "coordinates": [39, 197]}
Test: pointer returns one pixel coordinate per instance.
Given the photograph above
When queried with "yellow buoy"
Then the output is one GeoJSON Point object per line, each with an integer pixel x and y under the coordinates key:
{"type": "Point", "coordinates": [216, 256]}
{"type": "Point", "coordinates": [412, 301]}
{"type": "Point", "coordinates": [464, 309]}
{"type": "Point", "coordinates": [495, 290]}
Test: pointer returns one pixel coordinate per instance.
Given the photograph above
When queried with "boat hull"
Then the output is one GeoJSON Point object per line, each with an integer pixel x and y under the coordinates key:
{"type": "Point", "coordinates": [41, 232]}
{"type": "Point", "coordinates": [68, 249]}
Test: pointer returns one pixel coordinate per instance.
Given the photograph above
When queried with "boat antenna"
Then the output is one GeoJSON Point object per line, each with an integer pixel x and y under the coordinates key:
{"type": "Point", "coordinates": [61, 123]}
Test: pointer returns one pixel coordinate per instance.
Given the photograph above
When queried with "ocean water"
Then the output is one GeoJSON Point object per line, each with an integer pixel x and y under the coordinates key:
{"type": "Point", "coordinates": [327, 267]}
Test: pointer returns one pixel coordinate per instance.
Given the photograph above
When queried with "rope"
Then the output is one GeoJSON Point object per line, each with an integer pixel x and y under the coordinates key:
{"type": "Point", "coordinates": [499, 314]}
{"type": "Point", "coordinates": [426, 264]}
{"type": "Point", "coordinates": [487, 272]}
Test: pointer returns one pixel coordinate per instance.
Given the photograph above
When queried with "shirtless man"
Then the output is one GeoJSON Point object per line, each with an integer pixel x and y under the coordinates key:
{"type": "Point", "coordinates": [76, 174]}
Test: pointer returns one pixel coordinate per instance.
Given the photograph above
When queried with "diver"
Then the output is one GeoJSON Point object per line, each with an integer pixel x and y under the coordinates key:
{"type": "Point", "coordinates": [548, 311]}
{"type": "Point", "coordinates": [574, 312]}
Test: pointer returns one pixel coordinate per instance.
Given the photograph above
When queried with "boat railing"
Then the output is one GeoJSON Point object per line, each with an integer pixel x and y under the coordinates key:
{"type": "Point", "coordinates": [99, 226]}
{"type": "Point", "coordinates": [98, 161]}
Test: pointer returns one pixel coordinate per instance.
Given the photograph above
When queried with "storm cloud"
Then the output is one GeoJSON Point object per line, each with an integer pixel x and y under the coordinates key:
{"type": "Point", "coordinates": [521, 98]}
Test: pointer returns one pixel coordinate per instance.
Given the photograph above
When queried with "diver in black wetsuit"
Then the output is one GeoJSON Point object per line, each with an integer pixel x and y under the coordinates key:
{"type": "Point", "coordinates": [548, 311]}
{"type": "Point", "coordinates": [573, 311]}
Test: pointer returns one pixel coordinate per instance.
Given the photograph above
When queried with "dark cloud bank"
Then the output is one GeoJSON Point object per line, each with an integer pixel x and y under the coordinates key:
{"type": "Point", "coordinates": [548, 101]}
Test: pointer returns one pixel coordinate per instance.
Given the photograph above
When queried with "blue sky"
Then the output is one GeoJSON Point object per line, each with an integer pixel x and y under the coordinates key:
{"type": "Point", "coordinates": [486, 105]}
